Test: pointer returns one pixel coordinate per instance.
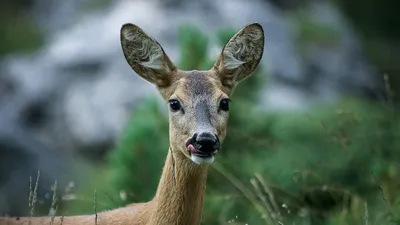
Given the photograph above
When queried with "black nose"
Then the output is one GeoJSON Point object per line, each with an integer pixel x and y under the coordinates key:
{"type": "Point", "coordinates": [206, 142]}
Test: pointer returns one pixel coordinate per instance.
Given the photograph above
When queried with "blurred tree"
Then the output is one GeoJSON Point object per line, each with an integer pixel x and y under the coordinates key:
{"type": "Point", "coordinates": [377, 24]}
{"type": "Point", "coordinates": [376, 19]}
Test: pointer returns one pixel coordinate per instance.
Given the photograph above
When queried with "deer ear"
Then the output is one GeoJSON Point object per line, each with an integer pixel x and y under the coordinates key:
{"type": "Point", "coordinates": [146, 56]}
{"type": "Point", "coordinates": [241, 55]}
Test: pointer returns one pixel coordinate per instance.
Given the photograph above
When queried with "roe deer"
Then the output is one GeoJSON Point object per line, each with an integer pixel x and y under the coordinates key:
{"type": "Point", "coordinates": [198, 115]}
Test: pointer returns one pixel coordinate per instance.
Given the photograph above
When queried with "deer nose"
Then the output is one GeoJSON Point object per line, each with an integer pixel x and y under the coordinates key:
{"type": "Point", "coordinates": [206, 142]}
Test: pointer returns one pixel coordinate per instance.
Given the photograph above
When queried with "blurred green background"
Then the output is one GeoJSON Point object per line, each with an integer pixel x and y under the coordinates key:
{"type": "Point", "coordinates": [334, 163]}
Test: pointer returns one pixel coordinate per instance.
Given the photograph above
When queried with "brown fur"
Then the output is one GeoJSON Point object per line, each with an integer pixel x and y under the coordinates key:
{"type": "Point", "coordinates": [180, 193]}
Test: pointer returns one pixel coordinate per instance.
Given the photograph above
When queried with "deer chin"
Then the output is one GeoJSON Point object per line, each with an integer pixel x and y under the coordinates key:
{"type": "Point", "coordinates": [202, 159]}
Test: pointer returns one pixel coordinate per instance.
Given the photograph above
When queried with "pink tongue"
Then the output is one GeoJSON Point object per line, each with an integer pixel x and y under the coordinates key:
{"type": "Point", "coordinates": [191, 148]}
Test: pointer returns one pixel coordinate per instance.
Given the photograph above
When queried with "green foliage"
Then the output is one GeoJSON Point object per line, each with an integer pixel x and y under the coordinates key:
{"type": "Point", "coordinates": [328, 165]}
{"type": "Point", "coordinates": [18, 30]}
{"type": "Point", "coordinates": [93, 5]}
{"type": "Point", "coordinates": [137, 160]}
{"type": "Point", "coordinates": [377, 26]}
{"type": "Point", "coordinates": [376, 19]}
{"type": "Point", "coordinates": [193, 48]}
{"type": "Point", "coordinates": [310, 31]}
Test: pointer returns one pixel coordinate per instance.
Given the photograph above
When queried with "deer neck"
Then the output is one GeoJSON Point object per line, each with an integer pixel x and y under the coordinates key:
{"type": "Point", "coordinates": [179, 196]}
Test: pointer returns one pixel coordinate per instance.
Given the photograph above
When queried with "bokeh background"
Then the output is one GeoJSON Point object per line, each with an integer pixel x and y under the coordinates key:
{"type": "Point", "coordinates": [313, 136]}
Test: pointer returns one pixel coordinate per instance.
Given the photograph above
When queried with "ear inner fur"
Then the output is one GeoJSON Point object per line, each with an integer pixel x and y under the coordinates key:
{"type": "Point", "coordinates": [146, 56]}
{"type": "Point", "coordinates": [241, 55]}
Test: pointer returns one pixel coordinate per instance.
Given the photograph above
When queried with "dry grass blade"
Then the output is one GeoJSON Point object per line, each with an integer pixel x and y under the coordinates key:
{"type": "Point", "coordinates": [268, 197]}
{"type": "Point", "coordinates": [381, 190]}
{"type": "Point", "coordinates": [33, 196]}
{"type": "Point", "coordinates": [264, 200]}
{"type": "Point", "coordinates": [366, 214]}
{"type": "Point", "coordinates": [268, 191]}
{"type": "Point", "coordinates": [53, 209]}
{"type": "Point", "coordinates": [388, 88]}
{"type": "Point", "coordinates": [62, 219]}
{"type": "Point", "coordinates": [94, 206]}
{"type": "Point", "coordinates": [247, 193]}
{"type": "Point", "coordinates": [30, 192]}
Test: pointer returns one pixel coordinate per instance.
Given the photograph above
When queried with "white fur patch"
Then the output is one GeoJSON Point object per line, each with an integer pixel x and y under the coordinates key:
{"type": "Point", "coordinates": [153, 52]}
{"type": "Point", "coordinates": [201, 160]}
{"type": "Point", "coordinates": [230, 62]}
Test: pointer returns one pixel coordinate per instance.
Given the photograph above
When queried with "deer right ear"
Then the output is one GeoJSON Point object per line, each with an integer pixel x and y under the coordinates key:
{"type": "Point", "coordinates": [241, 55]}
{"type": "Point", "coordinates": [146, 57]}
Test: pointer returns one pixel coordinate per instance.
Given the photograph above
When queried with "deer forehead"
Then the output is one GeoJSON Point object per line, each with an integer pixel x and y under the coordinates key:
{"type": "Point", "coordinates": [197, 85]}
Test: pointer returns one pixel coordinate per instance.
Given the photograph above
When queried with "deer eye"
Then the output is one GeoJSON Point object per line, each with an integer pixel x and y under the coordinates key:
{"type": "Point", "coordinates": [224, 104]}
{"type": "Point", "coordinates": [175, 105]}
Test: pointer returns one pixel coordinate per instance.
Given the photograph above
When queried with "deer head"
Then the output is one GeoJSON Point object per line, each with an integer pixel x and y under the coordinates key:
{"type": "Point", "coordinates": [198, 100]}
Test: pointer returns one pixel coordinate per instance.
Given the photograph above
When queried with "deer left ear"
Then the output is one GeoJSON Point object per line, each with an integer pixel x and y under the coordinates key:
{"type": "Point", "coordinates": [241, 55]}
{"type": "Point", "coordinates": [146, 56]}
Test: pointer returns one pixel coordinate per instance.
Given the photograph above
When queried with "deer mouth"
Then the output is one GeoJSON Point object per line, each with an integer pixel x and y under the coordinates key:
{"type": "Point", "coordinates": [200, 157]}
